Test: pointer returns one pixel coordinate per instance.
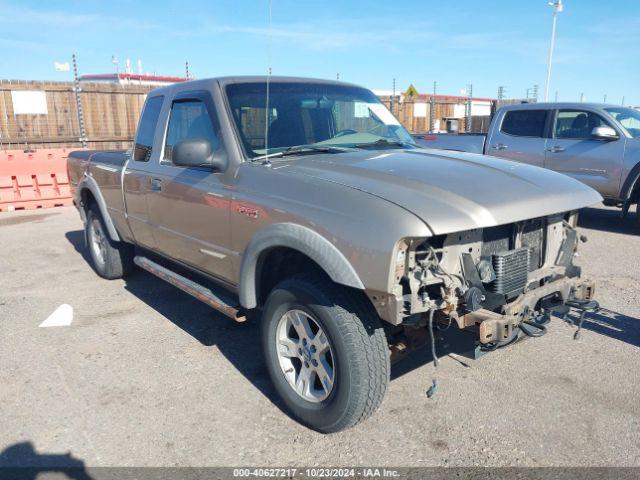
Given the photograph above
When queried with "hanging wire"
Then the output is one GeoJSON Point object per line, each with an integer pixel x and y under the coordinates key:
{"type": "Point", "coordinates": [431, 391]}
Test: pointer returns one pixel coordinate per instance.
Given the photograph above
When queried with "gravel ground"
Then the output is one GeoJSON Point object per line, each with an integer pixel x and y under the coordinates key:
{"type": "Point", "coordinates": [148, 376]}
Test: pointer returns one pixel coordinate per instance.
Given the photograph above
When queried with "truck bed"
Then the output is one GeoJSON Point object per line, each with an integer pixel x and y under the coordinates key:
{"type": "Point", "coordinates": [80, 162]}
{"type": "Point", "coordinates": [104, 167]}
{"type": "Point", "coordinates": [460, 142]}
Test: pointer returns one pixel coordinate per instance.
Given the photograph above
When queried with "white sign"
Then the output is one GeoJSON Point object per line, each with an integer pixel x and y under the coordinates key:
{"type": "Point", "coordinates": [459, 111]}
{"type": "Point", "coordinates": [28, 102]}
{"type": "Point", "coordinates": [61, 67]}
{"type": "Point", "coordinates": [383, 114]}
{"type": "Point", "coordinates": [361, 110]}
{"type": "Point", "coordinates": [419, 110]}
{"type": "Point", "coordinates": [480, 109]}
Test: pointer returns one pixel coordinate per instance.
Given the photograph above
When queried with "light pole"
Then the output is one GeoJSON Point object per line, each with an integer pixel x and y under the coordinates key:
{"type": "Point", "coordinates": [557, 8]}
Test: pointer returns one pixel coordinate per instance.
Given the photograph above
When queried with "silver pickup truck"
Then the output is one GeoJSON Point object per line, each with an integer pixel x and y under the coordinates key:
{"type": "Point", "coordinates": [304, 203]}
{"type": "Point", "coordinates": [597, 144]}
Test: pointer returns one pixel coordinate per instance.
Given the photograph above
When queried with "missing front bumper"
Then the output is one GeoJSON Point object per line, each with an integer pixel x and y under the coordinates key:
{"type": "Point", "coordinates": [483, 330]}
{"type": "Point", "coordinates": [495, 327]}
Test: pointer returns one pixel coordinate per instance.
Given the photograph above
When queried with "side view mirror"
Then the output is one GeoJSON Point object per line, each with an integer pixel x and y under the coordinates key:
{"type": "Point", "coordinates": [604, 133]}
{"type": "Point", "coordinates": [195, 152]}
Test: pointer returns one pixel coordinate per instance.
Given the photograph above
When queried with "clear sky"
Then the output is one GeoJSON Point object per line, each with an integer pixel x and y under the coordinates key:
{"type": "Point", "coordinates": [485, 42]}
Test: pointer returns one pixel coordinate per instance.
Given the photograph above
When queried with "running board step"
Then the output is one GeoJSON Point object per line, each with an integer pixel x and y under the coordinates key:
{"type": "Point", "coordinates": [218, 302]}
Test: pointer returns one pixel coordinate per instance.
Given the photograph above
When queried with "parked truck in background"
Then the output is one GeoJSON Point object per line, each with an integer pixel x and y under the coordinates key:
{"type": "Point", "coordinates": [312, 209]}
{"type": "Point", "coordinates": [597, 144]}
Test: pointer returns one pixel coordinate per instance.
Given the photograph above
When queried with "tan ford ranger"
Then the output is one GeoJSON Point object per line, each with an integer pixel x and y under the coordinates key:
{"type": "Point", "coordinates": [304, 203]}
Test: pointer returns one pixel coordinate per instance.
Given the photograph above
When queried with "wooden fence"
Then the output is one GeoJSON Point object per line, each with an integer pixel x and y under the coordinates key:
{"type": "Point", "coordinates": [111, 114]}
{"type": "Point", "coordinates": [444, 109]}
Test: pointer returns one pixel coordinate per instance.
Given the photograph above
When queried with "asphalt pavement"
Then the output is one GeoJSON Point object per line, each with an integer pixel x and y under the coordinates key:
{"type": "Point", "coordinates": [145, 375]}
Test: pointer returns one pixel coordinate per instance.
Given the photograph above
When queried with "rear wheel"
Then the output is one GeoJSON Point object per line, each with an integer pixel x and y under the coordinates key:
{"type": "Point", "coordinates": [325, 351]}
{"type": "Point", "coordinates": [109, 259]}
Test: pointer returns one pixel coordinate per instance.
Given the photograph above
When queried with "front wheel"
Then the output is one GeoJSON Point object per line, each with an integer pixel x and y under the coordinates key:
{"type": "Point", "coordinates": [325, 351]}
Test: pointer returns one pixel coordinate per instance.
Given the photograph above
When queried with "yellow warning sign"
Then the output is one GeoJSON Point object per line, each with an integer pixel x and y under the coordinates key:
{"type": "Point", "coordinates": [411, 92]}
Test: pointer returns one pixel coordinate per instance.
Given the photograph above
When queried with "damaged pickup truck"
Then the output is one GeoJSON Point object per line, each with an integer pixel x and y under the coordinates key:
{"type": "Point", "coordinates": [306, 204]}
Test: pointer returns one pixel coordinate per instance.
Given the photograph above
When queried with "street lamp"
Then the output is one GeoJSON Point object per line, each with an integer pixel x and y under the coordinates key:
{"type": "Point", "coordinates": [557, 8]}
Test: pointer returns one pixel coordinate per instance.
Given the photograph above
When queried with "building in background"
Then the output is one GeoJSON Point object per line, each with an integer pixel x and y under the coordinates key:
{"type": "Point", "coordinates": [414, 111]}
{"type": "Point", "coordinates": [131, 79]}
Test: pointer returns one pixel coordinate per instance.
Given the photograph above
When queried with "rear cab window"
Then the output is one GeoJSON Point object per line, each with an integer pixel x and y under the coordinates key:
{"type": "Point", "coordinates": [147, 129]}
{"type": "Point", "coordinates": [524, 123]}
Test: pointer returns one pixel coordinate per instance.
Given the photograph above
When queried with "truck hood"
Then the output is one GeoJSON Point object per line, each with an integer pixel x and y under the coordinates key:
{"type": "Point", "coordinates": [450, 191]}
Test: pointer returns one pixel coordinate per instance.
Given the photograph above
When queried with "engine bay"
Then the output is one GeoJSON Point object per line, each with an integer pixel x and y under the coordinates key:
{"type": "Point", "coordinates": [497, 282]}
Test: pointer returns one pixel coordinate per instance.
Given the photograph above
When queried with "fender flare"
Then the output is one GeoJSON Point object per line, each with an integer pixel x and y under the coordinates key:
{"type": "Point", "coordinates": [299, 238]}
{"type": "Point", "coordinates": [630, 182]}
{"type": "Point", "coordinates": [88, 183]}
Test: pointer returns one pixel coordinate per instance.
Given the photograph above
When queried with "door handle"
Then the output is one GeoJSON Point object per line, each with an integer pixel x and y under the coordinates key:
{"type": "Point", "coordinates": [499, 146]}
{"type": "Point", "coordinates": [555, 149]}
{"type": "Point", "coordinates": [156, 185]}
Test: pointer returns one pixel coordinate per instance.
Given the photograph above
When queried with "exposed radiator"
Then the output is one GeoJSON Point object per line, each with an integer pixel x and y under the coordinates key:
{"type": "Point", "coordinates": [512, 269]}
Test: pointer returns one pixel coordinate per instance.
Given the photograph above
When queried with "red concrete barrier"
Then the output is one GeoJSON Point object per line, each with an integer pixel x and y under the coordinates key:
{"type": "Point", "coordinates": [35, 179]}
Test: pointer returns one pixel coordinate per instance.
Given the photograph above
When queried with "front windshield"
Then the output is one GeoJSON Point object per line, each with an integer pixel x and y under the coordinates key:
{"type": "Point", "coordinates": [313, 115]}
{"type": "Point", "coordinates": [628, 118]}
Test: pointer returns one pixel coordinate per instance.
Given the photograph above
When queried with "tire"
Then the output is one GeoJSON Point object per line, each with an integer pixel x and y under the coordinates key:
{"type": "Point", "coordinates": [109, 259]}
{"type": "Point", "coordinates": [356, 368]}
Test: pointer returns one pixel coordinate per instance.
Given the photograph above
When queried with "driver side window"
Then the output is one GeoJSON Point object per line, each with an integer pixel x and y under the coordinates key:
{"type": "Point", "coordinates": [190, 119]}
{"type": "Point", "coordinates": [577, 124]}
